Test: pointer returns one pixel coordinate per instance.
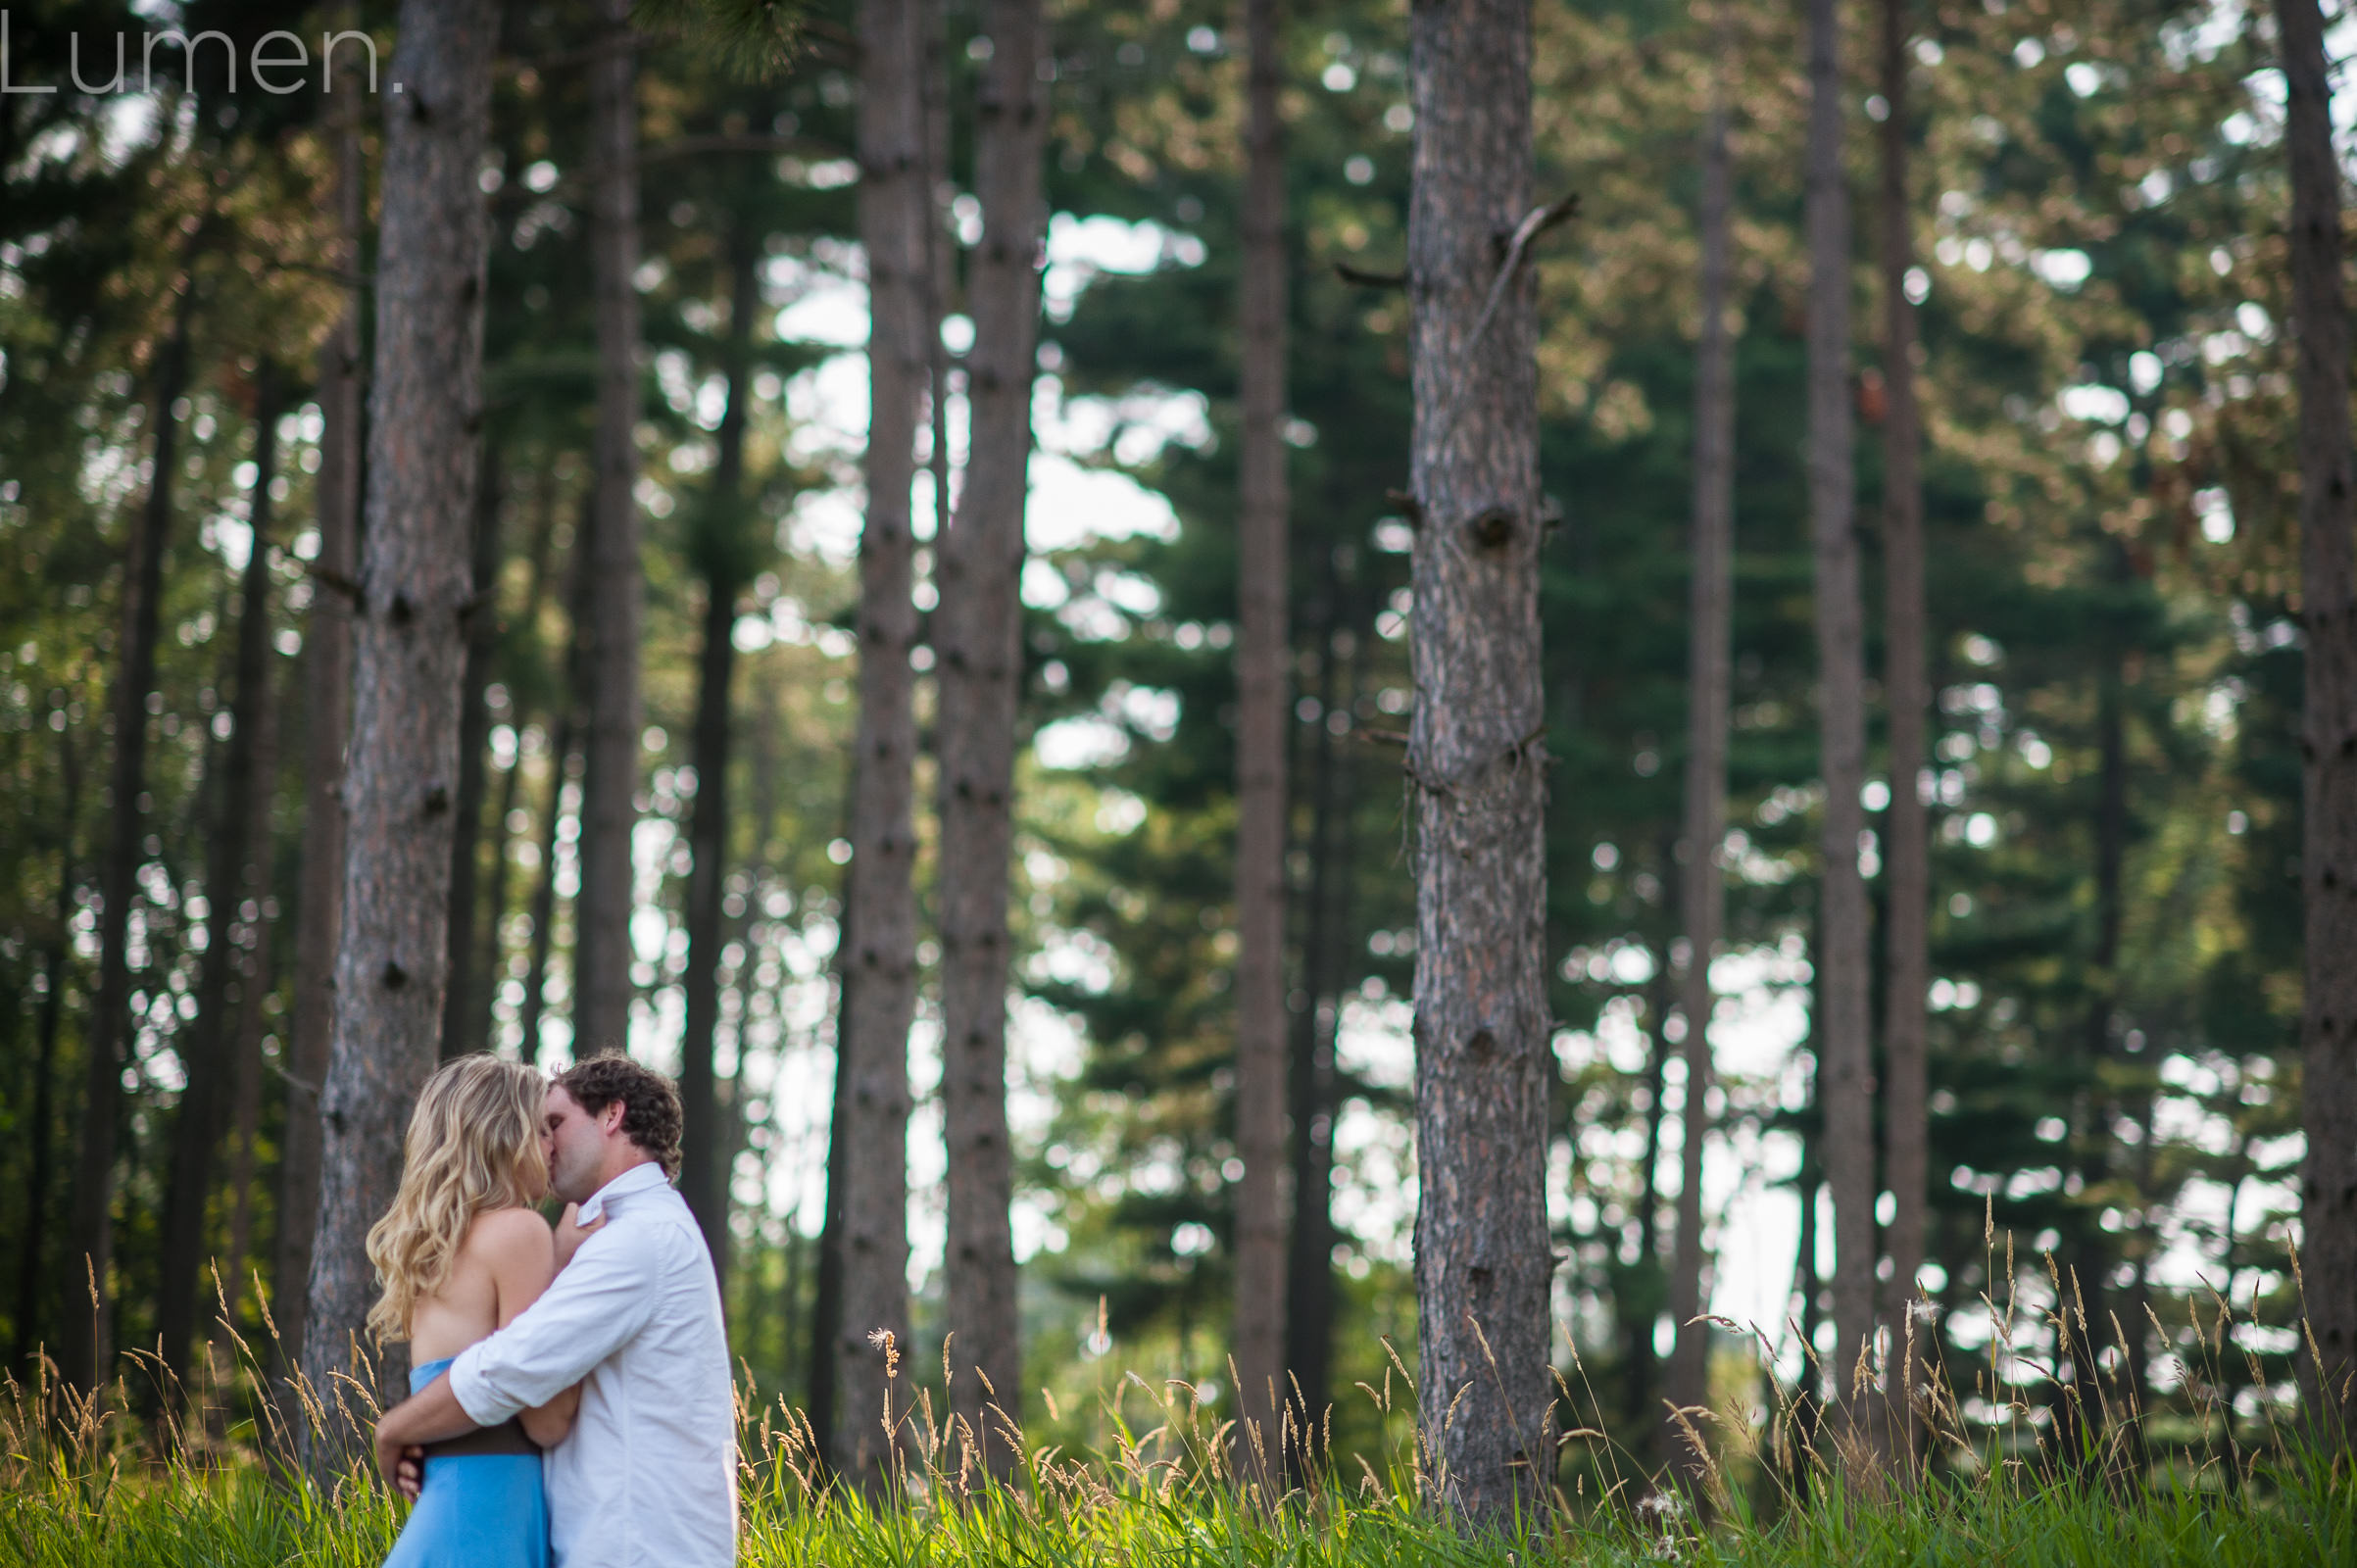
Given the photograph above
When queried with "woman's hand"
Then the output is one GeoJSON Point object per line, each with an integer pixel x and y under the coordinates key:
{"type": "Point", "coordinates": [546, 1424]}
{"type": "Point", "coordinates": [572, 1233]}
{"type": "Point", "coordinates": [403, 1466]}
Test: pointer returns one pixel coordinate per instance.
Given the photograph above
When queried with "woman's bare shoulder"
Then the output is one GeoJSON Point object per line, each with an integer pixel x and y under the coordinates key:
{"type": "Point", "coordinates": [499, 1231]}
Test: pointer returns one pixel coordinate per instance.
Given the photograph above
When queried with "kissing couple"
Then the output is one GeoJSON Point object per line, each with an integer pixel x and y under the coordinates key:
{"type": "Point", "coordinates": [571, 1398]}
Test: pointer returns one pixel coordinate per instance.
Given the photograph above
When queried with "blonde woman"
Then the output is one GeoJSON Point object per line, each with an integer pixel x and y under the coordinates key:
{"type": "Point", "coordinates": [462, 1252]}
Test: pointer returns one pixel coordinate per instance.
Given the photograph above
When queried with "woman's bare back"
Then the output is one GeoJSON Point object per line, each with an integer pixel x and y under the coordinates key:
{"type": "Point", "coordinates": [506, 1259]}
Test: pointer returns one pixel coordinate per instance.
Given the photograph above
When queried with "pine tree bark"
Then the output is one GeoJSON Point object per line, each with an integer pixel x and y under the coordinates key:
{"type": "Point", "coordinates": [409, 652]}
{"type": "Point", "coordinates": [1263, 644]}
{"type": "Point", "coordinates": [879, 996]}
{"type": "Point", "coordinates": [1702, 894]}
{"type": "Point", "coordinates": [978, 635]}
{"type": "Point", "coordinates": [231, 875]}
{"type": "Point", "coordinates": [87, 1323]}
{"type": "Point", "coordinates": [601, 954]}
{"type": "Point", "coordinates": [1906, 829]}
{"type": "Point", "coordinates": [703, 1172]}
{"type": "Point", "coordinates": [1476, 769]}
{"type": "Point", "coordinates": [460, 1002]}
{"type": "Point", "coordinates": [1845, 1072]}
{"type": "Point", "coordinates": [327, 725]}
{"type": "Point", "coordinates": [2329, 726]}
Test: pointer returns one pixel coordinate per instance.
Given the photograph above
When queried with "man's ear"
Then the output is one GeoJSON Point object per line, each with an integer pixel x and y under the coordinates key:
{"type": "Point", "coordinates": [609, 1120]}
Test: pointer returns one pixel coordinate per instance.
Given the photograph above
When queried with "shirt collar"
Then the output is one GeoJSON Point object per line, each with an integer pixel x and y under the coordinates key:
{"type": "Point", "coordinates": [637, 1179]}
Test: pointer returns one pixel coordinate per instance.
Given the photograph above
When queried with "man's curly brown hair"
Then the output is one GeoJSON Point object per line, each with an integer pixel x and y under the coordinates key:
{"type": "Point", "coordinates": [650, 1103]}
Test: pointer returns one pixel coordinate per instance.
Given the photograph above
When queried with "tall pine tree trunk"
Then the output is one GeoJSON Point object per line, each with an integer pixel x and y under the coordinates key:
{"type": "Point", "coordinates": [488, 961]}
{"type": "Point", "coordinates": [1845, 1081]}
{"type": "Point", "coordinates": [2136, 1370]}
{"type": "Point", "coordinates": [1702, 894]}
{"type": "Point", "coordinates": [1806, 1419]}
{"type": "Point", "coordinates": [32, 1263]}
{"type": "Point", "coordinates": [1476, 767]}
{"type": "Point", "coordinates": [1906, 830]}
{"type": "Point", "coordinates": [1325, 930]}
{"type": "Point", "coordinates": [2079, 1403]}
{"type": "Point", "coordinates": [409, 652]}
{"type": "Point", "coordinates": [1637, 1301]}
{"type": "Point", "coordinates": [703, 1172]}
{"type": "Point", "coordinates": [978, 633]}
{"type": "Point", "coordinates": [602, 955]}
{"type": "Point", "coordinates": [87, 1315]}
{"type": "Point", "coordinates": [327, 724]}
{"type": "Point", "coordinates": [762, 767]}
{"type": "Point", "coordinates": [1263, 644]}
{"type": "Point", "coordinates": [246, 1077]}
{"type": "Point", "coordinates": [562, 748]}
{"type": "Point", "coordinates": [256, 977]}
{"type": "Point", "coordinates": [1309, 1303]}
{"type": "Point", "coordinates": [543, 912]}
{"type": "Point", "coordinates": [979, 638]}
{"type": "Point", "coordinates": [491, 949]}
{"type": "Point", "coordinates": [207, 1053]}
{"type": "Point", "coordinates": [825, 1351]}
{"type": "Point", "coordinates": [2329, 725]}
{"type": "Point", "coordinates": [879, 985]}
{"type": "Point", "coordinates": [460, 1002]}
{"type": "Point", "coordinates": [941, 248]}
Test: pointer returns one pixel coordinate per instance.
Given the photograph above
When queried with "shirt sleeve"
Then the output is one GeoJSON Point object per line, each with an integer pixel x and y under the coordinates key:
{"type": "Point", "coordinates": [590, 1310]}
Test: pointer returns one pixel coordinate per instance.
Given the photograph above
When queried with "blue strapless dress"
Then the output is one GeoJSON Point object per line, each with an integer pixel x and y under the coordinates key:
{"type": "Point", "coordinates": [478, 1510]}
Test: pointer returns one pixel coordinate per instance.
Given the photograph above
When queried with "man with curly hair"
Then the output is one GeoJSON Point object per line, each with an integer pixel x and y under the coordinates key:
{"type": "Point", "coordinates": [647, 1478]}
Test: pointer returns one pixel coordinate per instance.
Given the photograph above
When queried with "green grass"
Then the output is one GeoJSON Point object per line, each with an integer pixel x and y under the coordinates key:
{"type": "Point", "coordinates": [2208, 1477]}
{"type": "Point", "coordinates": [176, 1517]}
{"type": "Point", "coordinates": [87, 1484]}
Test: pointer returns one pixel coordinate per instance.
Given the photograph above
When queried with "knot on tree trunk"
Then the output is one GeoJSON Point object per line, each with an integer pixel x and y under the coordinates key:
{"type": "Point", "coordinates": [1492, 528]}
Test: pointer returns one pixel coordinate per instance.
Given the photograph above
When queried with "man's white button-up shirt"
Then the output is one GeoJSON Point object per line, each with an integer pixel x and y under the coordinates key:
{"type": "Point", "coordinates": [647, 1477]}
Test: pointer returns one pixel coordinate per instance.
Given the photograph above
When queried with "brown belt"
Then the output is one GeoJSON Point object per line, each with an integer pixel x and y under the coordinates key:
{"type": "Point", "coordinates": [506, 1437]}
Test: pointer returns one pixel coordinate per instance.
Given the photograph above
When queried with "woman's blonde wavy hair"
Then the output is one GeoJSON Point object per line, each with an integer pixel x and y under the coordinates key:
{"type": "Point", "coordinates": [473, 1146]}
